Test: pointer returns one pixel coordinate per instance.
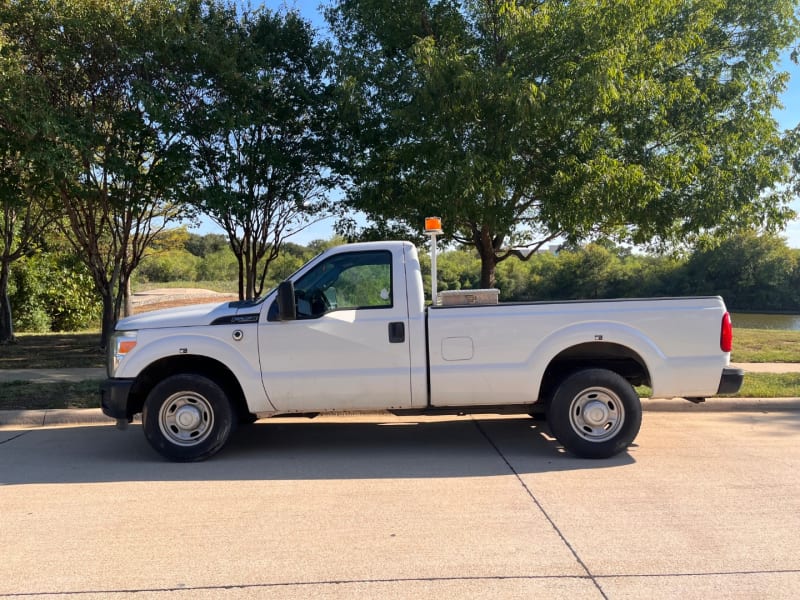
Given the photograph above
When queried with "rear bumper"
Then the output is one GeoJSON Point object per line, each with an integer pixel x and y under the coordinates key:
{"type": "Point", "coordinates": [731, 380]}
{"type": "Point", "coordinates": [114, 397]}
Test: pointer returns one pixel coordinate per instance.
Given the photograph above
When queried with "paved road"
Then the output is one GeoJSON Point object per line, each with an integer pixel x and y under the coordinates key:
{"type": "Point", "coordinates": [706, 505]}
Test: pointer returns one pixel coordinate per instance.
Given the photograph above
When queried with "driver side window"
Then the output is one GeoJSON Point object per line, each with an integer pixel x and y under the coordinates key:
{"type": "Point", "coordinates": [357, 280]}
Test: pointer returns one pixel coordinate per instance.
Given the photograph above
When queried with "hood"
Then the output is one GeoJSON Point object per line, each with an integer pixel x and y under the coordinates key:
{"type": "Point", "coordinates": [185, 316]}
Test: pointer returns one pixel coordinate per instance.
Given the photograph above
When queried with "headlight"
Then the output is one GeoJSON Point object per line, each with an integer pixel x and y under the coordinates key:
{"type": "Point", "coordinates": [120, 344]}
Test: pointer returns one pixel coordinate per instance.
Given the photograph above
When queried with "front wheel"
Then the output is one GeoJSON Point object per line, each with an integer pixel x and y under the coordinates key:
{"type": "Point", "coordinates": [595, 413]}
{"type": "Point", "coordinates": [187, 417]}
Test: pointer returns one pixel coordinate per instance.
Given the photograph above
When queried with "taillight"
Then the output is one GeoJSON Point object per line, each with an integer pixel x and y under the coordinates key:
{"type": "Point", "coordinates": [726, 335]}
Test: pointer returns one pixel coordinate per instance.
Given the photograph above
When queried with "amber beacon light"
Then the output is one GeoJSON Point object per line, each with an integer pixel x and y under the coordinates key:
{"type": "Point", "coordinates": [433, 227]}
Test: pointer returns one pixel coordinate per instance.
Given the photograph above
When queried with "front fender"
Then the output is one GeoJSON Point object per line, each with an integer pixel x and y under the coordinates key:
{"type": "Point", "coordinates": [235, 346]}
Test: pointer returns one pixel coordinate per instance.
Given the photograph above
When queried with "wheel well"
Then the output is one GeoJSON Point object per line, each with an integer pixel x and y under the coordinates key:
{"type": "Point", "coordinates": [598, 355]}
{"type": "Point", "coordinates": [173, 365]}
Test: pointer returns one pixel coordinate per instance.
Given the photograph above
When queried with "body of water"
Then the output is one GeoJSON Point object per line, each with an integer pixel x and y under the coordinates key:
{"type": "Point", "coordinates": [762, 321]}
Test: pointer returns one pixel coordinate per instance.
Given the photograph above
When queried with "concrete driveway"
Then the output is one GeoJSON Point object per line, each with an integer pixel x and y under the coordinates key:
{"type": "Point", "coordinates": [706, 505]}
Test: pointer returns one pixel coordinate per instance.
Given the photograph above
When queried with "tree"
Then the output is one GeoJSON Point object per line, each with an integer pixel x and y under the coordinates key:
{"type": "Point", "coordinates": [203, 245]}
{"type": "Point", "coordinates": [22, 220]}
{"type": "Point", "coordinates": [23, 211]}
{"type": "Point", "coordinates": [117, 174]}
{"type": "Point", "coordinates": [520, 122]}
{"type": "Point", "coordinates": [750, 272]}
{"type": "Point", "coordinates": [256, 123]}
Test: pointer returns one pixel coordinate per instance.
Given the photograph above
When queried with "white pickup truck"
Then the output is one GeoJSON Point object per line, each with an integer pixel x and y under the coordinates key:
{"type": "Point", "coordinates": [350, 332]}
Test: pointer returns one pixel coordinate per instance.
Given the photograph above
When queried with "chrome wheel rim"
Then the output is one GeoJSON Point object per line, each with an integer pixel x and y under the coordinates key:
{"type": "Point", "coordinates": [186, 419]}
{"type": "Point", "coordinates": [597, 414]}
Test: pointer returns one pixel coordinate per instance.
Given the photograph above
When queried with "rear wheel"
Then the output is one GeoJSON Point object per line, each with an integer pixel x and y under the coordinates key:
{"type": "Point", "coordinates": [187, 417]}
{"type": "Point", "coordinates": [595, 413]}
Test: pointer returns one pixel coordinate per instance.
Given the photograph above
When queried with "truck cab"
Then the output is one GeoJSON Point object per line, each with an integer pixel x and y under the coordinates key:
{"type": "Point", "coordinates": [356, 340]}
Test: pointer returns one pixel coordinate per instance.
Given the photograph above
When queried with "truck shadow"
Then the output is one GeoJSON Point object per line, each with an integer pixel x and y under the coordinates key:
{"type": "Point", "coordinates": [275, 449]}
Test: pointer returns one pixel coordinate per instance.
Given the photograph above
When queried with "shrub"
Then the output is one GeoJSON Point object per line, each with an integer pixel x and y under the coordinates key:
{"type": "Point", "coordinates": [219, 266]}
{"type": "Point", "coordinates": [52, 292]}
{"type": "Point", "coordinates": [170, 265]}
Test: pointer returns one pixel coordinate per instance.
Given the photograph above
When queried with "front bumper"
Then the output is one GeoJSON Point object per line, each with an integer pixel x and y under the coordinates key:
{"type": "Point", "coordinates": [114, 395]}
{"type": "Point", "coordinates": [731, 381]}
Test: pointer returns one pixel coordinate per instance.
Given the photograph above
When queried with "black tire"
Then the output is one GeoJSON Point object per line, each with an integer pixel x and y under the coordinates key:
{"type": "Point", "coordinates": [595, 413]}
{"type": "Point", "coordinates": [187, 418]}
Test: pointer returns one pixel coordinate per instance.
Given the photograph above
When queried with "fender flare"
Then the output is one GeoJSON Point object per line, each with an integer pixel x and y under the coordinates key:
{"type": "Point", "coordinates": [607, 332]}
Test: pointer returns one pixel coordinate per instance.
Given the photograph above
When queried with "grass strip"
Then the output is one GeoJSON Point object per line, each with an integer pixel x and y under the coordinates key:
{"type": "Point", "coordinates": [52, 351]}
{"type": "Point", "coordinates": [769, 385]}
{"type": "Point", "coordinates": [765, 345]}
{"type": "Point", "coordinates": [757, 385]}
{"type": "Point", "coordinates": [27, 395]}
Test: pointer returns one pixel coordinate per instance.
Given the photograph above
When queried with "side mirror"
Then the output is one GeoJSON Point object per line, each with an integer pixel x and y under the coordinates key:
{"type": "Point", "coordinates": [287, 309]}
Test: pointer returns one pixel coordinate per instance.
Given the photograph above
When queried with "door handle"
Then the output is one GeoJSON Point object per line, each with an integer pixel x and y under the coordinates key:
{"type": "Point", "coordinates": [397, 332]}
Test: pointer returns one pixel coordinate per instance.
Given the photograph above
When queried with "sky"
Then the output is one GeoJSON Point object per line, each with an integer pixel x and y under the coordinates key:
{"type": "Point", "coordinates": [787, 118]}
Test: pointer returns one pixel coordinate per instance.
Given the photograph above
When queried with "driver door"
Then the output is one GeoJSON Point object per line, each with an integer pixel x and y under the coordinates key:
{"type": "Point", "coordinates": [348, 348]}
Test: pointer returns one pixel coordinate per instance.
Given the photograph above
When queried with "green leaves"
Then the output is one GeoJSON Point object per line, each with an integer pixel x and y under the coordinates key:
{"type": "Point", "coordinates": [90, 126]}
{"type": "Point", "coordinates": [256, 123]}
{"type": "Point", "coordinates": [648, 120]}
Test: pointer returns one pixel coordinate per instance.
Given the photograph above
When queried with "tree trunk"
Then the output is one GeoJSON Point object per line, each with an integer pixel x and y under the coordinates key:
{"type": "Point", "coordinates": [250, 278]}
{"type": "Point", "coordinates": [488, 269]}
{"type": "Point", "coordinates": [109, 319]}
{"type": "Point", "coordinates": [127, 303]}
{"type": "Point", "coordinates": [6, 322]}
{"type": "Point", "coordinates": [240, 261]}
{"type": "Point", "coordinates": [251, 269]}
{"type": "Point", "coordinates": [485, 245]}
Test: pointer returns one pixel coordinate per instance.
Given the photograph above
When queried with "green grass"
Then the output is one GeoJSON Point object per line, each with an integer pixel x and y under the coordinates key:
{"type": "Point", "coordinates": [24, 395]}
{"type": "Point", "coordinates": [770, 385]}
{"type": "Point", "coordinates": [52, 351]}
{"type": "Point", "coordinates": [765, 345]}
{"type": "Point", "coordinates": [757, 385]}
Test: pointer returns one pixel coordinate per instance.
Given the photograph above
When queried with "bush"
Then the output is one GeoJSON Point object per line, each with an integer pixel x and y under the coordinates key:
{"type": "Point", "coordinates": [32, 319]}
{"type": "Point", "coordinates": [219, 266]}
{"type": "Point", "coordinates": [26, 292]}
{"type": "Point", "coordinates": [73, 303]}
{"type": "Point", "coordinates": [170, 265]}
{"type": "Point", "coordinates": [52, 292]}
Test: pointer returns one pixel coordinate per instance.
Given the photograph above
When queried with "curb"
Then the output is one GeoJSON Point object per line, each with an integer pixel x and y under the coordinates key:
{"type": "Point", "coordinates": [94, 416]}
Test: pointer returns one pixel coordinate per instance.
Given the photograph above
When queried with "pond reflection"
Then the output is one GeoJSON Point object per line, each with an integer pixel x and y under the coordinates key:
{"type": "Point", "coordinates": [764, 321]}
